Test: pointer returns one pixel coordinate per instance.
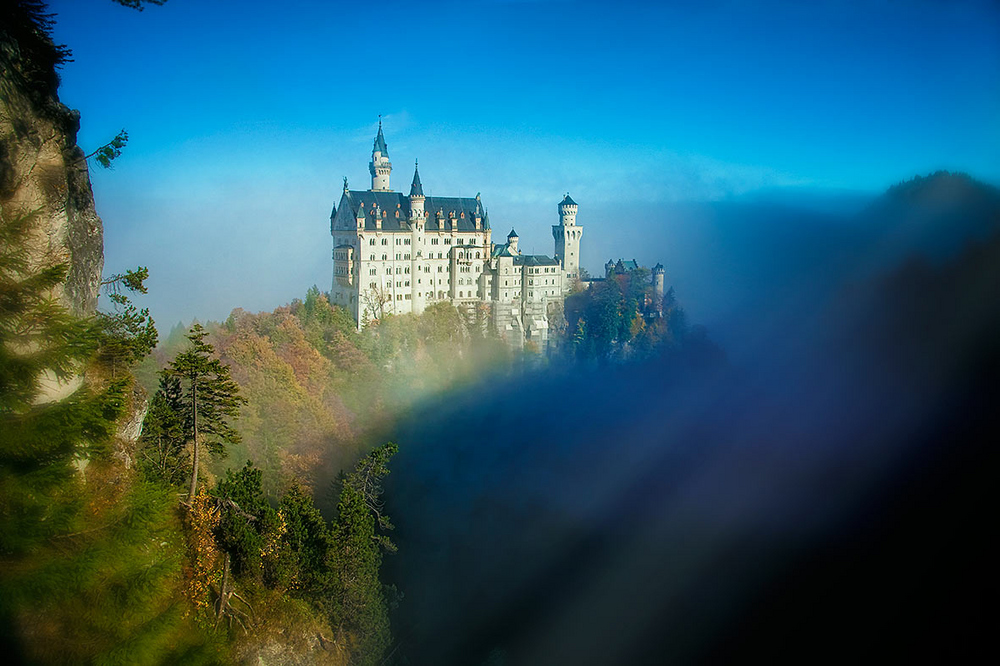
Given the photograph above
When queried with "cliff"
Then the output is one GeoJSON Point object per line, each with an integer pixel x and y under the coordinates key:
{"type": "Point", "coordinates": [43, 171]}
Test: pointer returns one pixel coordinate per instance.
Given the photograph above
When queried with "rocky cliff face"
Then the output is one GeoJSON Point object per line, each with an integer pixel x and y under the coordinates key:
{"type": "Point", "coordinates": [43, 172]}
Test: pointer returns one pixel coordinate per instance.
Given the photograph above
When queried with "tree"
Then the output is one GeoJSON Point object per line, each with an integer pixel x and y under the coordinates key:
{"type": "Point", "coordinates": [360, 607]}
{"type": "Point", "coordinates": [161, 455]}
{"type": "Point", "coordinates": [128, 334]}
{"type": "Point", "coordinates": [211, 398]}
{"type": "Point", "coordinates": [375, 299]}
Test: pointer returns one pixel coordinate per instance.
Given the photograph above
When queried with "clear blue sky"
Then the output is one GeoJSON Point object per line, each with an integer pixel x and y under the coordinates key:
{"type": "Point", "coordinates": [244, 116]}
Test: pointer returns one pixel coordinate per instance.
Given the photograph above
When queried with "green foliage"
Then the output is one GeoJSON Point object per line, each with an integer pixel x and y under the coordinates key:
{"type": "Point", "coordinates": [162, 455]}
{"type": "Point", "coordinates": [618, 318]}
{"type": "Point", "coordinates": [128, 335]}
{"type": "Point", "coordinates": [246, 520]}
{"type": "Point", "coordinates": [210, 394]}
{"type": "Point", "coordinates": [89, 565]}
{"type": "Point", "coordinates": [308, 538]}
{"type": "Point", "coordinates": [110, 151]}
{"type": "Point", "coordinates": [361, 609]}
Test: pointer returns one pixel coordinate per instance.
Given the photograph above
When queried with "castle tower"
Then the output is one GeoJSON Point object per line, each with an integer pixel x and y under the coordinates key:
{"type": "Point", "coordinates": [512, 242]}
{"type": "Point", "coordinates": [416, 197]}
{"type": "Point", "coordinates": [380, 166]}
{"type": "Point", "coordinates": [567, 237]}
{"type": "Point", "coordinates": [658, 279]}
{"type": "Point", "coordinates": [417, 292]}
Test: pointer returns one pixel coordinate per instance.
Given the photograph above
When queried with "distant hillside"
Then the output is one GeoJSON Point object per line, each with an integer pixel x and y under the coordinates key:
{"type": "Point", "coordinates": [934, 215]}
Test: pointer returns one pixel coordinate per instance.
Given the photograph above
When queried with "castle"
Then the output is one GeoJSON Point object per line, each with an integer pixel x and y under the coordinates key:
{"type": "Point", "coordinates": [394, 254]}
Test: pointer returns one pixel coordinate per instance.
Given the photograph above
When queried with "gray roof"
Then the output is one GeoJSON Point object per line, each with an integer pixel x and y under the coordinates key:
{"type": "Point", "coordinates": [380, 141]}
{"type": "Point", "coordinates": [389, 202]}
{"type": "Point", "coordinates": [535, 260]}
{"type": "Point", "coordinates": [416, 189]}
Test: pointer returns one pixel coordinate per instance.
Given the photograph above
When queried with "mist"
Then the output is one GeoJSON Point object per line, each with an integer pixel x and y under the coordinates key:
{"type": "Point", "coordinates": [820, 496]}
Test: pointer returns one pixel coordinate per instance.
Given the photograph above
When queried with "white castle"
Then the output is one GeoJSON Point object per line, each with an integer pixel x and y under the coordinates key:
{"type": "Point", "coordinates": [394, 254]}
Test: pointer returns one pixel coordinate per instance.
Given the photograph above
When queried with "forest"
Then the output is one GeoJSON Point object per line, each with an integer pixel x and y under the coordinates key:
{"type": "Point", "coordinates": [281, 487]}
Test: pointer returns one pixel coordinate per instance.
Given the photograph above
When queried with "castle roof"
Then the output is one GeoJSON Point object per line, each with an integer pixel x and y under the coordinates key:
{"type": "Point", "coordinates": [567, 201]}
{"type": "Point", "coordinates": [512, 234]}
{"type": "Point", "coordinates": [535, 260]}
{"type": "Point", "coordinates": [380, 141]}
{"type": "Point", "coordinates": [416, 189]}
{"type": "Point", "coordinates": [464, 210]}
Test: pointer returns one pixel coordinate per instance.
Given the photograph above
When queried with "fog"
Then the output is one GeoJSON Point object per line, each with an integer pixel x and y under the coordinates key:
{"type": "Point", "coordinates": [818, 497]}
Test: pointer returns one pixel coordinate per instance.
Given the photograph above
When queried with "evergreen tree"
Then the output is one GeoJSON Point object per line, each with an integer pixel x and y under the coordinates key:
{"type": "Point", "coordinates": [308, 538]}
{"type": "Point", "coordinates": [211, 398]}
{"type": "Point", "coordinates": [360, 607]}
{"type": "Point", "coordinates": [161, 454]}
{"type": "Point", "coordinates": [89, 559]}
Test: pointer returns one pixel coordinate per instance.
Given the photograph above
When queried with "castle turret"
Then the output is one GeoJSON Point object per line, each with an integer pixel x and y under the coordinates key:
{"type": "Point", "coordinates": [416, 198]}
{"type": "Point", "coordinates": [380, 166]}
{"type": "Point", "coordinates": [567, 237]}
{"type": "Point", "coordinates": [659, 276]}
{"type": "Point", "coordinates": [512, 242]}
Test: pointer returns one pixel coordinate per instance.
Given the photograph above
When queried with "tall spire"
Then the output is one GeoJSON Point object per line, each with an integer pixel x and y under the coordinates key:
{"type": "Point", "coordinates": [380, 167]}
{"type": "Point", "coordinates": [380, 140]}
{"type": "Point", "coordinates": [416, 189]}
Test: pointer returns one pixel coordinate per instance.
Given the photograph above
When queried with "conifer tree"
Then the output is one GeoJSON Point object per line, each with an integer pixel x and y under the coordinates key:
{"type": "Point", "coordinates": [211, 398]}
{"type": "Point", "coordinates": [161, 454]}
{"type": "Point", "coordinates": [360, 606]}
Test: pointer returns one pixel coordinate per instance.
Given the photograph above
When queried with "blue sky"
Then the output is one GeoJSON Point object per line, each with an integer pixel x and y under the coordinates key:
{"type": "Point", "coordinates": [244, 116]}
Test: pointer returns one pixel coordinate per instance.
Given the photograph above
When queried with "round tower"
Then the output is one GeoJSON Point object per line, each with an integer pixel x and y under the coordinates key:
{"type": "Point", "coordinates": [659, 276]}
{"type": "Point", "coordinates": [512, 242]}
{"type": "Point", "coordinates": [567, 236]}
{"type": "Point", "coordinates": [567, 212]}
{"type": "Point", "coordinates": [380, 166]}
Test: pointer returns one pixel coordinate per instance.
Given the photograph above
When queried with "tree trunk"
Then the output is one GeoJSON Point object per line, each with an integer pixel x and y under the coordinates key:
{"type": "Point", "coordinates": [194, 422]}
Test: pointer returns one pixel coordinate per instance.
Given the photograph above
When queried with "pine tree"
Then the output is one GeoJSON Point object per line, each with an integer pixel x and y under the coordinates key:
{"type": "Point", "coordinates": [211, 398]}
{"type": "Point", "coordinates": [360, 607]}
{"type": "Point", "coordinates": [161, 453]}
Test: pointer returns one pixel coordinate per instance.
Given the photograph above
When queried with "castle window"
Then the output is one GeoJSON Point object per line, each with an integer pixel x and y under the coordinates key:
{"type": "Point", "coordinates": [463, 214]}
{"type": "Point", "coordinates": [461, 241]}
{"type": "Point", "coordinates": [385, 241]}
{"type": "Point", "coordinates": [406, 241]}
{"type": "Point", "coordinates": [398, 255]}
{"type": "Point", "coordinates": [477, 255]}
{"type": "Point", "coordinates": [371, 241]}
{"type": "Point", "coordinates": [447, 241]}
{"type": "Point", "coordinates": [406, 256]}
{"type": "Point", "coordinates": [384, 257]}
{"type": "Point", "coordinates": [439, 269]}
{"type": "Point", "coordinates": [434, 241]}
{"type": "Point", "coordinates": [371, 257]}
{"type": "Point", "coordinates": [397, 214]}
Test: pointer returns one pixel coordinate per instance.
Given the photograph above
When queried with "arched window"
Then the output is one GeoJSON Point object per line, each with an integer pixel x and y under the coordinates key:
{"type": "Point", "coordinates": [385, 241]}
